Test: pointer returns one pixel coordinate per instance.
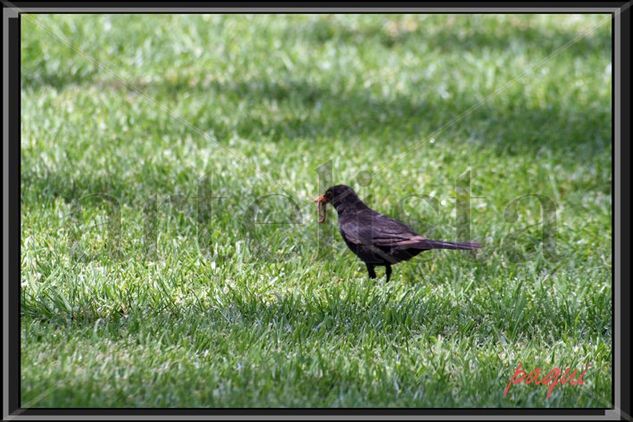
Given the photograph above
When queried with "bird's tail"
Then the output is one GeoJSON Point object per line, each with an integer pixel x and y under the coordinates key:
{"type": "Point", "coordinates": [440, 244]}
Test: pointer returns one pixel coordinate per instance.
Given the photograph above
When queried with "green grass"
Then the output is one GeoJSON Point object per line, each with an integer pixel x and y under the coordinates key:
{"type": "Point", "coordinates": [199, 289]}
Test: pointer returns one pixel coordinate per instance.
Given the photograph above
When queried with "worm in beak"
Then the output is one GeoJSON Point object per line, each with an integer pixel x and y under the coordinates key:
{"type": "Point", "coordinates": [321, 201]}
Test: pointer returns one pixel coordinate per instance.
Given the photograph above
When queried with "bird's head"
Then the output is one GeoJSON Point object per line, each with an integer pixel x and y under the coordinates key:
{"type": "Point", "coordinates": [338, 196]}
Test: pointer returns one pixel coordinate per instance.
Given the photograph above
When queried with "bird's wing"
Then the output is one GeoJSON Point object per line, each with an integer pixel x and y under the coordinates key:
{"type": "Point", "coordinates": [379, 230]}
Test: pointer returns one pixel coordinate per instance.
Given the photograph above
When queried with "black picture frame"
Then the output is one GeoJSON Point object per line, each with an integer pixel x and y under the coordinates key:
{"type": "Point", "coordinates": [11, 211]}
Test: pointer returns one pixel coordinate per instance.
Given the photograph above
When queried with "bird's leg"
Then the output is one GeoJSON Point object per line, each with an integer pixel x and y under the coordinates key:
{"type": "Point", "coordinates": [370, 270]}
{"type": "Point", "coordinates": [388, 272]}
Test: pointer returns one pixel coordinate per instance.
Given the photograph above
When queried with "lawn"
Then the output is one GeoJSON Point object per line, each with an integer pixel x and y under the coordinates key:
{"type": "Point", "coordinates": [170, 251]}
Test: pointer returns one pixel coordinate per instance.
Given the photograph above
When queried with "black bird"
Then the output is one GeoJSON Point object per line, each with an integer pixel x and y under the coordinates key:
{"type": "Point", "coordinates": [377, 239]}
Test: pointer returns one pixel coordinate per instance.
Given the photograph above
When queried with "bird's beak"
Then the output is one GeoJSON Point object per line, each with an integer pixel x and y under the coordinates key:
{"type": "Point", "coordinates": [321, 201]}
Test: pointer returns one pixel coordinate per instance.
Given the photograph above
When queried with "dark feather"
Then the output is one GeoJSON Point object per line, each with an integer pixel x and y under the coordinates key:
{"type": "Point", "coordinates": [376, 238]}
